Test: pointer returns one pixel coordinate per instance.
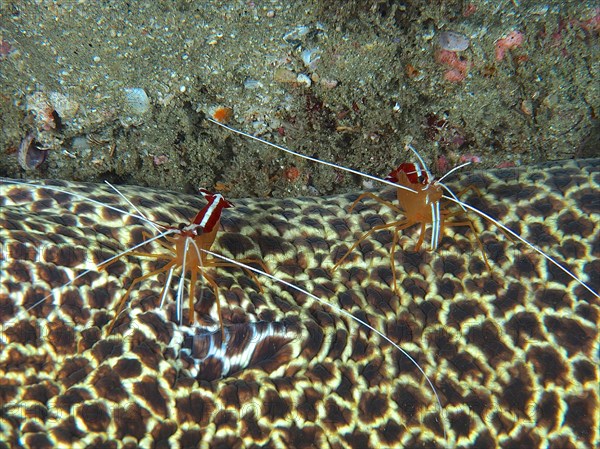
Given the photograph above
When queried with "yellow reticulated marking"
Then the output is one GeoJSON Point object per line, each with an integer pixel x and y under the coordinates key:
{"type": "Point", "coordinates": [495, 344]}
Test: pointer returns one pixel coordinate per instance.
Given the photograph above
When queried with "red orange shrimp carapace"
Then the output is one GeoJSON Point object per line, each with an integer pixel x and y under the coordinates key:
{"type": "Point", "coordinates": [185, 248]}
{"type": "Point", "coordinates": [418, 198]}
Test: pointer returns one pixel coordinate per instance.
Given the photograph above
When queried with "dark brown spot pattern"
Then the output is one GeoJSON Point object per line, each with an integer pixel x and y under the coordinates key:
{"type": "Point", "coordinates": [511, 350]}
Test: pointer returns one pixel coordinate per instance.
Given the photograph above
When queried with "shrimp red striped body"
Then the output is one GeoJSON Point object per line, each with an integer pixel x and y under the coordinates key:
{"type": "Point", "coordinates": [418, 195]}
{"type": "Point", "coordinates": [186, 247]}
{"type": "Point", "coordinates": [438, 219]}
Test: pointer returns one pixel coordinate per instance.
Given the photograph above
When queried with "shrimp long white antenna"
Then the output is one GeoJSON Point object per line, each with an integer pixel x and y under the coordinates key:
{"type": "Point", "coordinates": [450, 192]}
{"type": "Point", "coordinates": [197, 250]}
{"type": "Point", "coordinates": [450, 198]}
{"type": "Point", "coordinates": [77, 196]}
{"type": "Point", "coordinates": [179, 300]}
{"type": "Point", "coordinates": [309, 158]}
{"type": "Point", "coordinates": [458, 167]}
{"type": "Point", "coordinates": [132, 205]}
{"type": "Point", "coordinates": [436, 224]}
{"type": "Point", "coordinates": [165, 291]}
{"type": "Point", "coordinates": [342, 312]}
{"type": "Point", "coordinates": [530, 245]}
{"type": "Point", "coordinates": [423, 164]}
{"type": "Point", "coordinates": [107, 261]}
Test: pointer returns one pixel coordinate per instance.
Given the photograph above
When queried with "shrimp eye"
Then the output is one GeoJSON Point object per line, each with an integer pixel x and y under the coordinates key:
{"type": "Point", "coordinates": [422, 178]}
{"type": "Point", "coordinates": [180, 226]}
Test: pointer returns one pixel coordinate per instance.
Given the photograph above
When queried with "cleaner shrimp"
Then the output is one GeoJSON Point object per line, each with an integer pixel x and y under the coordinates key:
{"type": "Point", "coordinates": [198, 255]}
{"type": "Point", "coordinates": [420, 206]}
{"type": "Point", "coordinates": [183, 247]}
{"type": "Point", "coordinates": [181, 250]}
{"type": "Point", "coordinates": [415, 181]}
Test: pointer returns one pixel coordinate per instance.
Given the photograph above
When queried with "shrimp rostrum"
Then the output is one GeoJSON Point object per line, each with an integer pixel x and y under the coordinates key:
{"type": "Point", "coordinates": [185, 248]}
{"type": "Point", "coordinates": [178, 251]}
{"type": "Point", "coordinates": [418, 198]}
{"type": "Point", "coordinates": [422, 200]}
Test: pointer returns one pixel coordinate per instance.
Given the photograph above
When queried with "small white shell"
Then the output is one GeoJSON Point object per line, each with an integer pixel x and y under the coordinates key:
{"type": "Point", "coordinates": [453, 41]}
{"type": "Point", "coordinates": [39, 104]}
{"type": "Point", "coordinates": [311, 57]}
{"type": "Point", "coordinates": [29, 155]}
{"type": "Point", "coordinates": [328, 83]}
{"type": "Point", "coordinates": [296, 34]}
{"type": "Point", "coordinates": [251, 84]}
{"type": "Point", "coordinates": [65, 107]}
{"type": "Point", "coordinates": [304, 79]}
{"type": "Point", "coordinates": [137, 100]}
